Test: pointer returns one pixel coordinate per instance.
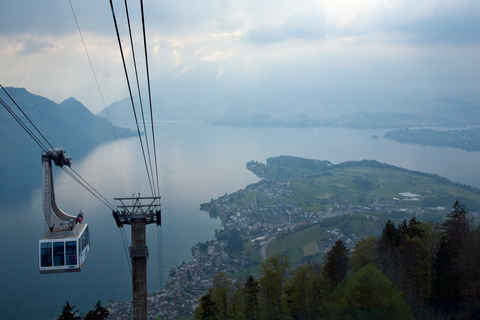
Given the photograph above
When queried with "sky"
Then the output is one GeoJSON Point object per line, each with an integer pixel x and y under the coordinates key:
{"type": "Point", "coordinates": [406, 45]}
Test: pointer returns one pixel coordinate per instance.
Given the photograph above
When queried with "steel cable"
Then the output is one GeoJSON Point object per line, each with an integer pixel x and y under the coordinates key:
{"type": "Point", "coordinates": [101, 93]}
{"type": "Point", "coordinates": [130, 92]}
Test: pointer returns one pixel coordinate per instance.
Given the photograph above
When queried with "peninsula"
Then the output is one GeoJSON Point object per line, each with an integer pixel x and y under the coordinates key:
{"type": "Point", "coordinates": [300, 207]}
{"type": "Point", "coordinates": [468, 139]}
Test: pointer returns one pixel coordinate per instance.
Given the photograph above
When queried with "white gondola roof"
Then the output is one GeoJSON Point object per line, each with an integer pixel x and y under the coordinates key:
{"type": "Point", "coordinates": [65, 234]}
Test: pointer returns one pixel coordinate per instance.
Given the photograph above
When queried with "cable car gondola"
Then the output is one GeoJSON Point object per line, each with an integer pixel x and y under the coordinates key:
{"type": "Point", "coordinates": [66, 244]}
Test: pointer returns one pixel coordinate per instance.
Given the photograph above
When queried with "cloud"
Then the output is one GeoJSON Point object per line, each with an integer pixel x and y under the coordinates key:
{"type": "Point", "coordinates": [423, 21]}
{"type": "Point", "coordinates": [29, 45]}
{"type": "Point", "coordinates": [265, 34]}
{"type": "Point", "coordinates": [54, 17]}
{"type": "Point", "coordinates": [216, 56]}
{"type": "Point", "coordinates": [308, 26]}
{"type": "Point", "coordinates": [446, 28]}
{"type": "Point", "coordinates": [311, 41]}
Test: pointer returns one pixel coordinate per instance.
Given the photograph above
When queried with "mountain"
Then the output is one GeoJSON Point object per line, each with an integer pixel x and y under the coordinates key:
{"type": "Point", "coordinates": [217, 93]}
{"type": "Point", "coordinates": [69, 125]}
{"type": "Point", "coordinates": [212, 90]}
{"type": "Point", "coordinates": [192, 92]}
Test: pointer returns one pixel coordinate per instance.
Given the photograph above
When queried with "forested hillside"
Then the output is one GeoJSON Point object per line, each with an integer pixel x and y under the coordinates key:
{"type": "Point", "coordinates": [417, 269]}
{"type": "Point", "coordinates": [69, 125]}
{"type": "Point", "coordinates": [468, 139]}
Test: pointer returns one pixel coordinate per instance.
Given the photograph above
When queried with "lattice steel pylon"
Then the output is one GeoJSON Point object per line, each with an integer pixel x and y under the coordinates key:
{"type": "Point", "coordinates": [138, 215]}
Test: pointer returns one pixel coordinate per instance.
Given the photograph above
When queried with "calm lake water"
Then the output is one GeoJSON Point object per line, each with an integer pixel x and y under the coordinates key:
{"type": "Point", "coordinates": [197, 162]}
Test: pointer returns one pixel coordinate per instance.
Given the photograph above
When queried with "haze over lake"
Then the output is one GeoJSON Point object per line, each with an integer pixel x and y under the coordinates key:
{"type": "Point", "coordinates": [197, 162]}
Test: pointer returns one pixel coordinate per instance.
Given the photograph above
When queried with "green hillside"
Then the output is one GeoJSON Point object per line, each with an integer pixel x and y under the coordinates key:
{"type": "Point", "coordinates": [306, 227]}
{"type": "Point", "coordinates": [306, 205]}
{"type": "Point", "coordinates": [378, 187]}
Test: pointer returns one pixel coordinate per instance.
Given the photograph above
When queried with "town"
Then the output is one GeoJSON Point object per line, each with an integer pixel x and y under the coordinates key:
{"type": "Point", "coordinates": [253, 217]}
{"type": "Point", "coordinates": [255, 222]}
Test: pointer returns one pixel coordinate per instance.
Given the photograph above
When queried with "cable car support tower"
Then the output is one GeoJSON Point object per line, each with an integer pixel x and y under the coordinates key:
{"type": "Point", "coordinates": [141, 211]}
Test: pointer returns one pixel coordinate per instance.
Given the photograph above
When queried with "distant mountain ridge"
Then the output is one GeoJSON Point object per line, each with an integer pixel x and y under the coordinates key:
{"type": "Point", "coordinates": [69, 125]}
{"type": "Point", "coordinates": [211, 91]}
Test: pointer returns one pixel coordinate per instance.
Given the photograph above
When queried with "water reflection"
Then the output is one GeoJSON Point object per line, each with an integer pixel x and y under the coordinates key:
{"type": "Point", "coordinates": [196, 162]}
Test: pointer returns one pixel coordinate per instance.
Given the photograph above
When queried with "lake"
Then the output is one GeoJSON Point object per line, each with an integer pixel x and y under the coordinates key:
{"type": "Point", "coordinates": [197, 162]}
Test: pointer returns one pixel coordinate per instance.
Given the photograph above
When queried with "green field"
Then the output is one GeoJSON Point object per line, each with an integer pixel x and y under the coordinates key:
{"type": "Point", "coordinates": [292, 244]}
{"type": "Point", "coordinates": [365, 183]}
{"type": "Point", "coordinates": [355, 198]}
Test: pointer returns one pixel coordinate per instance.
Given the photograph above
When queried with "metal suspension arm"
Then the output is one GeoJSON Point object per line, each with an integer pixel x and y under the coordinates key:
{"type": "Point", "coordinates": [54, 216]}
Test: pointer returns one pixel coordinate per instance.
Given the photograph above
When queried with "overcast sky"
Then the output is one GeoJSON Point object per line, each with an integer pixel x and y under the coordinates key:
{"type": "Point", "coordinates": [413, 45]}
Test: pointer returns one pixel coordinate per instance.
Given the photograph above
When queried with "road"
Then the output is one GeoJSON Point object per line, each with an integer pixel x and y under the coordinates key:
{"type": "Point", "coordinates": [263, 250]}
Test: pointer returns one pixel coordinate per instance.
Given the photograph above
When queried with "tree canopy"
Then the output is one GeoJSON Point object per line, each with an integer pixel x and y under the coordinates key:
{"type": "Point", "coordinates": [369, 295]}
{"type": "Point", "coordinates": [415, 269]}
{"type": "Point", "coordinates": [69, 313]}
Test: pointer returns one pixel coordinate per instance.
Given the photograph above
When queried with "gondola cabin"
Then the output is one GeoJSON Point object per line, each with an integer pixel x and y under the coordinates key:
{"type": "Point", "coordinates": [64, 251]}
{"type": "Point", "coordinates": [66, 245]}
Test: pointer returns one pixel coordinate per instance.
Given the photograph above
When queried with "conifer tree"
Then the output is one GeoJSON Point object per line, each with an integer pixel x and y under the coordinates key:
{"type": "Point", "coordinates": [444, 291]}
{"type": "Point", "coordinates": [414, 261]}
{"type": "Point", "coordinates": [99, 313]}
{"type": "Point", "coordinates": [449, 270]}
{"type": "Point", "coordinates": [387, 252]}
{"type": "Point", "coordinates": [403, 256]}
{"type": "Point", "coordinates": [251, 290]}
{"type": "Point", "coordinates": [207, 309]}
{"type": "Point", "coordinates": [68, 313]}
{"type": "Point", "coordinates": [468, 263]}
{"type": "Point", "coordinates": [336, 264]}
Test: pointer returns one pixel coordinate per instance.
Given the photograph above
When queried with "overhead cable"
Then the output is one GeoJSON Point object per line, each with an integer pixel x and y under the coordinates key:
{"type": "Point", "coordinates": [125, 246]}
{"type": "Point", "coordinates": [94, 192]}
{"type": "Point", "coordinates": [159, 227]}
{"type": "Point", "coordinates": [73, 173]}
{"type": "Point", "coordinates": [100, 91]}
{"type": "Point", "coordinates": [26, 117]}
{"type": "Point", "coordinates": [131, 95]}
{"type": "Point", "coordinates": [124, 242]}
{"type": "Point", "coordinates": [90, 186]}
{"type": "Point", "coordinates": [139, 91]}
{"type": "Point", "coordinates": [23, 125]}
{"type": "Point", "coordinates": [149, 94]}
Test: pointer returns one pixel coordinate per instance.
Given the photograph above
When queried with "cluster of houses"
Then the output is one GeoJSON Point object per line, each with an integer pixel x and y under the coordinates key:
{"type": "Point", "coordinates": [253, 214]}
{"type": "Point", "coordinates": [186, 283]}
